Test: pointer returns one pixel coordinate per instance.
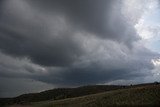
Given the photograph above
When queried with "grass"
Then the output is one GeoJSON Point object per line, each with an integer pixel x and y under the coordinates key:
{"type": "Point", "coordinates": [137, 96]}
{"type": "Point", "coordinates": [59, 93]}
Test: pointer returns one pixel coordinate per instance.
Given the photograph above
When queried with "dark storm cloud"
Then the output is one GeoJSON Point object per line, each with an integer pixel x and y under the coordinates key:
{"type": "Point", "coordinates": [91, 14]}
{"type": "Point", "coordinates": [99, 71]}
{"type": "Point", "coordinates": [102, 17]}
{"type": "Point", "coordinates": [33, 42]}
{"type": "Point", "coordinates": [24, 29]}
{"type": "Point", "coordinates": [69, 43]}
{"type": "Point", "coordinates": [59, 52]}
{"type": "Point", "coordinates": [88, 76]}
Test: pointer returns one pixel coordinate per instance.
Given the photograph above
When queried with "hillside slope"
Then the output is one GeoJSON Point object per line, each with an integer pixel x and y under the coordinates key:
{"type": "Point", "coordinates": [137, 96]}
{"type": "Point", "coordinates": [59, 93]}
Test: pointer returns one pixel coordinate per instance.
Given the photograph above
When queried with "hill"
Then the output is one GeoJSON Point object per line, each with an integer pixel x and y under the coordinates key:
{"type": "Point", "coordinates": [59, 93]}
{"type": "Point", "coordinates": [136, 96]}
{"type": "Point", "coordinates": [90, 96]}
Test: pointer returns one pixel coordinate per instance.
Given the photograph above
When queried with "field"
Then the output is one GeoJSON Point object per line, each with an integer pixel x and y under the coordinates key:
{"type": "Point", "coordinates": [147, 95]}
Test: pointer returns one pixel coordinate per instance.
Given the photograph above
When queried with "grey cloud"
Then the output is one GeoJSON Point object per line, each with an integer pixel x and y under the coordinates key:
{"type": "Point", "coordinates": [31, 39]}
{"type": "Point", "coordinates": [102, 66]}
{"type": "Point", "coordinates": [18, 86]}
{"type": "Point", "coordinates": [95, 67]}
{"type": "Point", "coordinates": [26, 31]}
{"type": "Point", "coordinates": [18, 67]}
{"type": "Point", "coordinates": [103, 17]}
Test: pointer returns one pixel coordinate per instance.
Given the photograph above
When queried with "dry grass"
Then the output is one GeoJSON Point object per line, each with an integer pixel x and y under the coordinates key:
{"type": "Point", "coordinates": [138, 96]}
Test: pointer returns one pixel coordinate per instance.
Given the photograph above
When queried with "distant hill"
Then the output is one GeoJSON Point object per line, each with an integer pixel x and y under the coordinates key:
{"type": "Point", "coordinates": [59, 93]}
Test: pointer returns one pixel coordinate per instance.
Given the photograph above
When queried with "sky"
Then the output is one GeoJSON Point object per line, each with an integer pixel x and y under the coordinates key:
{"type": "Point", "coordinates": [45, 44]}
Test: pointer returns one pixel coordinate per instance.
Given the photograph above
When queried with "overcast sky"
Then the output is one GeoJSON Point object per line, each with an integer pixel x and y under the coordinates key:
{"type": "Point", "coordinates": [46, 44]}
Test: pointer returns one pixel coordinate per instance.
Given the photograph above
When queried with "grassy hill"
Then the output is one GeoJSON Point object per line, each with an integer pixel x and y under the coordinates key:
{"type": "Point", "coordinates": [59, 93]}
{"type": "Point", "coordinates": [136, 96]}
{"type": "Point", "coordinates": [91, 96]}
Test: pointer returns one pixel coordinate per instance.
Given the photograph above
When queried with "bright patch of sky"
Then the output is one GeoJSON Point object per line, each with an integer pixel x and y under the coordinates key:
{"type": "Point", "coordinates": [148, 26]}
{"type": "Point", "coordinates": [156, 71]}
{"type": "Point", "coordinates": [144, 15]}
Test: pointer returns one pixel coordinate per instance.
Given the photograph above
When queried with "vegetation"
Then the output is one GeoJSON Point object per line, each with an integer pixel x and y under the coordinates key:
{"type": "Point", "coordinates": [138, 96]}
{"type": "Point", "coordinates": [59, 93]}
{"type": "Point", "coordinates": [91, 96]}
